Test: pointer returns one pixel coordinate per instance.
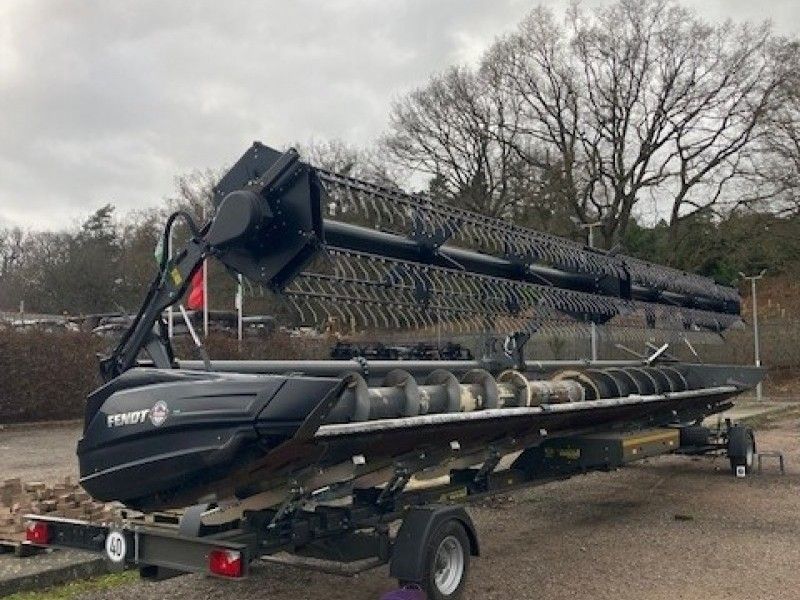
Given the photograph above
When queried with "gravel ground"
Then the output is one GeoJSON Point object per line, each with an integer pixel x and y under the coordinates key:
{"type": "Point", "coordinates": [597, 536]}
{"type": "Point", "coordinates": [40, 452]}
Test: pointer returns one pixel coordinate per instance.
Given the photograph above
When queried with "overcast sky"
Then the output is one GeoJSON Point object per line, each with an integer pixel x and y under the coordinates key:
{"type": "Point", "coordinates": [108, 101]}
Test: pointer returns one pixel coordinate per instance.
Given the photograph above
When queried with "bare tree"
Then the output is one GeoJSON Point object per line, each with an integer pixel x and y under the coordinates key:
{"type": "Point", "coordinates": [775, 178]}
{"type": "Point", "coordinates": [718, 132]}
{"type": "Point", "coordinates": [194, 193]}
{"type": "Point", "coordinates": [454, 129]}
{"type": "Point", "coordinates": [11, 248]}
{"type": "Point", "coordinates": [336, 155]}
{"type": "Point", "coordinates": [640, 98]}
{"type": "Point", "coordinates": [332, 155]}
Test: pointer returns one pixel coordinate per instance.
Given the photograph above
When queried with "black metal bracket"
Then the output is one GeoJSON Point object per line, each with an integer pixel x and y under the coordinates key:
{"type": "Point", "coordinates": [247, 234]}
{"type": "Point", "coordinates": [166, 289]}
{"type": "Point", "coordinates": [431, 237]}
{"type": "Point", "coordinates": [514, 348]}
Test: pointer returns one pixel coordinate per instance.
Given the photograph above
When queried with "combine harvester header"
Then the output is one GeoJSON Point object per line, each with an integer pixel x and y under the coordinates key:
{"type": "Point", "coordinates": [256, 451]}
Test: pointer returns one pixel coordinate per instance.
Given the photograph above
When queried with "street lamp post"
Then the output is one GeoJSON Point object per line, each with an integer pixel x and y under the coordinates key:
{"type": "Point", "coordinates": [756, 345]}
{"type": "Point", "coordinates": [591, 228]}
{"type": "Point", "coordinates": [593, 327]}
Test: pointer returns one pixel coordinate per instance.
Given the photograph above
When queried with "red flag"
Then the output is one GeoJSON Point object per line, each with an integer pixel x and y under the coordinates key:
{"type": "Point", "coordinates": [194, 299]}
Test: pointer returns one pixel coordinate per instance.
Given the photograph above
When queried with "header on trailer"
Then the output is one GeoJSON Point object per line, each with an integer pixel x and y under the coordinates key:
{"type": "Point", "coordinates": [276, 456]}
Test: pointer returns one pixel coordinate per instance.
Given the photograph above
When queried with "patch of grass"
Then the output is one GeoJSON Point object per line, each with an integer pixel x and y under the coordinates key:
{"type": "Point", "coordinates": [71, 590]}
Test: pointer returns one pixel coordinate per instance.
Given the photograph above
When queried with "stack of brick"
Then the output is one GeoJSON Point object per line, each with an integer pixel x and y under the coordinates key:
{"type": "Point", "coordinates": [64, 499]}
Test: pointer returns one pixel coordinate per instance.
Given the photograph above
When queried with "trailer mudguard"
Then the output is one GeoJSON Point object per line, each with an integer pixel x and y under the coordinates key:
{"type": "Point", "coordinates": [419, 524]}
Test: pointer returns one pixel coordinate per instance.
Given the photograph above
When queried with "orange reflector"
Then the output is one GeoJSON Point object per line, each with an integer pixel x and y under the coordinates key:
{"type": "Point", "coordinates": [38, 532]}
{"type": "Point", "coordinates": [225, 563]}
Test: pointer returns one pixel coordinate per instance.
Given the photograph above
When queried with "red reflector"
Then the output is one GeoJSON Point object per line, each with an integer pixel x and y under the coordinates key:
{"type": "Point", "coordinates": [38, 532]}
{"type": "Point", "coordinates": [226, 563]}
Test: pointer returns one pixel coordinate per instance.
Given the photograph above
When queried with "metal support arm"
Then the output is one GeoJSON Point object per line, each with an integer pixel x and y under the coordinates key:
{"type": "Point", "coordinates": [148, 328]}
{"type": "Point", "coordinates": [248, 234]}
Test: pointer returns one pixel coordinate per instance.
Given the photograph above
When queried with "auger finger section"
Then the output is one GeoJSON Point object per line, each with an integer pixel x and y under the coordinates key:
{"type": "Point", "coordinates": [377, 257]}
{"type": "Point", "coordinates": [373, 292]}
{"type": "Point", "coordinates": [436, 225]}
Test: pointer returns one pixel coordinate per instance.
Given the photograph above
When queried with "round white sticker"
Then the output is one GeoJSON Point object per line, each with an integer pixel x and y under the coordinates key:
{"type": "Point", "coordinates": [116, 547]}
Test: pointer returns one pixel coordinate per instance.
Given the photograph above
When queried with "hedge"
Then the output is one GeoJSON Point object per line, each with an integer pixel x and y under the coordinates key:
{"type": "Point", "coordinates": [46, 375]}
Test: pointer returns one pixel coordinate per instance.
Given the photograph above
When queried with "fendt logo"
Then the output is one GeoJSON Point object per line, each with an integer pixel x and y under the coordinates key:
{"type": "Point", "coordinates": [158, 414]}
{"type": "Point", "coordinates": [134, 417]}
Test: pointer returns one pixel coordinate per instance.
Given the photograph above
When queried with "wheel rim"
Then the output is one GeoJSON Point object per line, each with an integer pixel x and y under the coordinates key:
{"type": "Point", "coordinates": [449, 565]}
{"type": "Point", "coordinates": [748, 457]}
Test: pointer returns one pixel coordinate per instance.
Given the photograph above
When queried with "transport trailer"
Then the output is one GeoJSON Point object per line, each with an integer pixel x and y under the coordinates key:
{"type": "Point", "coordinates": [166, 433]}
{"type": "Point", "coordinates": [351, 464]}
{"type": "Point", "coordinates": [421, 530]}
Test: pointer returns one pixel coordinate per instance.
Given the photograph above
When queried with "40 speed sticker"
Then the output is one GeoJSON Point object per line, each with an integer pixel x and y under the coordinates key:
{"type": "Point", "coordinates": [116, 547]}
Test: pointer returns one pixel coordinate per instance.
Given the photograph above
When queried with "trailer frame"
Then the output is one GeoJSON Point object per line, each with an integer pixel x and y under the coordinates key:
{"type": "Point", "coordinates": [390, 524]}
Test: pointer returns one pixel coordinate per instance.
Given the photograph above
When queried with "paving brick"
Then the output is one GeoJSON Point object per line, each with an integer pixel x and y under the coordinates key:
{"type": "Point", "coordinates": [34, 486]}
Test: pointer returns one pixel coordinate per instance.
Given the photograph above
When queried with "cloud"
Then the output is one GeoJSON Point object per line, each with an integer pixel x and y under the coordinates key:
{"type": "Point", "coordinates": [108, 101]}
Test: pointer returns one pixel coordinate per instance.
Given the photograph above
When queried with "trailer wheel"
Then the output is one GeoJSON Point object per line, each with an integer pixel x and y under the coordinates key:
{"type": "Point", "coordinates": [741, 448]}
{"type": "Point", "coordinates": [446, 562]}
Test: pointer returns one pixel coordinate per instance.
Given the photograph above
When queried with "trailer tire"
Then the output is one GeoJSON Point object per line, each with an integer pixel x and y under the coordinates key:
{"type": "Point", "coordinates": [446, 562]}
{"type": "Point", "coordinates": [741, 448]}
